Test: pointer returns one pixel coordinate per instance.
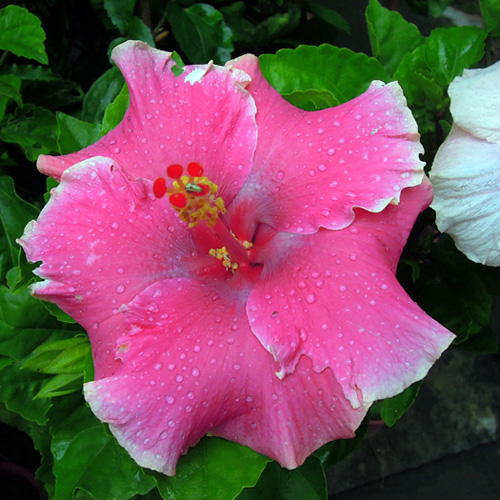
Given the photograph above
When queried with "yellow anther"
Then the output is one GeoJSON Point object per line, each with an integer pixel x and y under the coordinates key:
{"type": "Point", "coordinates": [198, 200]}
{"type": "Point", "coordinates": [223, 255]}
{"type": "Point", "coordinates": [247, 245]}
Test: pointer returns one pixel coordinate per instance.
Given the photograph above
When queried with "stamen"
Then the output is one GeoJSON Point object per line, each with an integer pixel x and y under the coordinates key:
{"type": "Point", "coordinates": [193, 196]}
{"type": "Point", "coordinates": [223, 255]}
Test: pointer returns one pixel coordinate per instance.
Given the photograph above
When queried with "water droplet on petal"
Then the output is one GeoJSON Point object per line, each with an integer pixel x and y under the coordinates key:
{"type": "Point", "coordinates": [120, 288]}
{"type": "Point", "coordinates": [311, 298]}
{"type": "Point", "coordinates": [170, 399]}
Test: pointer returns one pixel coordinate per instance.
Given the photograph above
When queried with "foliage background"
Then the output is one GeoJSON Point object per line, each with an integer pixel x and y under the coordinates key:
{"type": "Point", "coordinates": [59, 92]}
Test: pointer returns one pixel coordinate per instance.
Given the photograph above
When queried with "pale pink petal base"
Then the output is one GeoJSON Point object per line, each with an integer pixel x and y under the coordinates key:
{"type": "Point", "coordinates": [313, 168]}
{"type": "Point", "coordinates": [333, 296]}
{"type": "Point", "coordinates": [176, 384]}
{"type": "Point", "coordinates": [466, 180]}
{"type": "Point", "coordinates": [208, 118]}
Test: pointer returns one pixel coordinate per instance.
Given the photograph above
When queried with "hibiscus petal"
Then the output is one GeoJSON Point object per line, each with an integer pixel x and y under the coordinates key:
{"type": "Point", "coordinates": [466, 179]}
{"type": "Point", "coordinates": [204, 115]}
{"type": "Point", "coordinates": [334, 297]}
{"type": "Point", "coordinates": [102, 240]}
{"type": "Point", "coordinates": [191, 365]}
{"type": "Point", "coordinates": [313, 168]}
{"type": "Point", "coordinates": [475, 101]}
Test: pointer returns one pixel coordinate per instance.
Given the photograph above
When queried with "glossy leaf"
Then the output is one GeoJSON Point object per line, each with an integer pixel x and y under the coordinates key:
{"type": "Point", "coordinates": [334, 452]}
{"type": "Point", "coordinates": [311, 100]}
{"type": "Point", "coordinates": [120, 12]}
{"type": "Point", "coordinates": [115, 111]}
{"type": "Point", "coordinates": [137, 30]}
{"type": "Point", "coordinates": [59, 357]}
{"type": "Point", "coordinates": [84, 454]}
{"type": "Point", "coordinates": [391, 36]}
{"type": "Point", "coordinates": [35, 133]}
{"type": "Point", "coordinates": [22, 34]}
{"type": "Point", "coordinates": [41, 440]}
{"type": "Point", "coordinates": [343, 73]}
{"type": "Point", "coordinates": [9, 89]}
{"type": "Point", "coordinates": [490, 9]}
{"type": "Point", "coordinates": [15, 213]}
{"type": "Point", "coordinates": [202, 474]}
{"type": "Point", "coordinates": [60, 385]}
{"type": "Point", "coordinates": [448, 51]}
{"type": "Point", "coordinates": [307, 482]}
{"type": "Point", "coordinates": [103, 91]}
{"type": "Point", "coordinates": [393, 408]}
{"type": "Point", "coordinates": [485, 341]}
{"type": "Point", "coordinates": [467, 307]}
{"type": "Point", "coordinates": [329, 15]}
{"type": "Point", "coordinates": [74, 134]}
{"type": "Point", "coordinates": [201, 32]}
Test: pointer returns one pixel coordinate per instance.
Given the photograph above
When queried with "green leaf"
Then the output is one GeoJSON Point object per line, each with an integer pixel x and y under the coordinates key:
{"type": "Point", "coordinates": [84, 454]}
{"type": "Point", "coordinates": [74, 134]}
{"type": "Point", "coordinates": [201, 32]}
{"type": "Point", "coordinates": [60, 385]}
{"type": "Point", "coordinates": [115, 111]}
{"type": "Point", "coordinates": [424, 95]}
{"type": "Point", "coordinates": [61, 356]}
{"type": "Point", "coordinates": [394, 408]}
{"type": "Point", "coordinates": [21, 33]}
{"type": "Point", "coordinates": [307, 482]}
{"type": "Point", "coordinates": [328, 15]}
{"type": "Point", "coordinates": [24, 325]}
{"type": "Point", "coordinates": [311, 100]}
{"type": "Point", "coordinates": [120, 12]}
{"type": "Point", "coordinates": [448, 51]}
{"type": "Point", "coordinates": [18, 389]}
{"type": "Point", "coordinates": [334, 452]}
{"type": "Point", "coordinates": [15, 213]}
{"type": "Point", "coordinates": [343, 73]}
{"type": "Point", "coordinates": [137, 30]}
{"type": "Point", "coordinates": [36, 134]}
{"type": "Point", "coordinates": [57, 312]}
{"type": "Point", "coordinates": [179, 64]}
{"type": "Point", "coordinates": [391, 36]}
{"type": "Point", "coordinates": [41, 440]}
{"type": "Point", "coordinates": [29, 72]}
{"type": "Point", "coordinates": [483, 342]}
{"type": "Point", "coordinates": [490, 10]}
{"type": "Point", "coordinates": [9, 89]}
{"type": "Point", "coordinates": [102, 92]}
{"type": "Point", "coordinates": [279, 25]}
{"type": "Point", "coordinates": [202, 474]}
{"type": "Point", "coordinates": [451, 291]}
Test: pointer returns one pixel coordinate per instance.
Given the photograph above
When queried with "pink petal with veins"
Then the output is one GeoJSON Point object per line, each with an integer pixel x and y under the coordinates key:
{"type": "Point", "coordinates": [333, 296]}
{"type": "Point", "coordinates": [191, 365]}
{"type": "Point", "coordinates": [312, 168]}
{"type": "Point", "coordinates": [203, 115]}
{"type": "Point", "coordinates": [102, 240]}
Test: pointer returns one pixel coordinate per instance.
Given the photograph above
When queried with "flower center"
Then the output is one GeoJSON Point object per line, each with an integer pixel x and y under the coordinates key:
{"type": "Point", "coordinates": [193, 196]}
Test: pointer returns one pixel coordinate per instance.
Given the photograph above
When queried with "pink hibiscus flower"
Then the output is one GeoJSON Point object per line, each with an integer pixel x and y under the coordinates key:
{"type": "Point", "coordinates": [256, 300]}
